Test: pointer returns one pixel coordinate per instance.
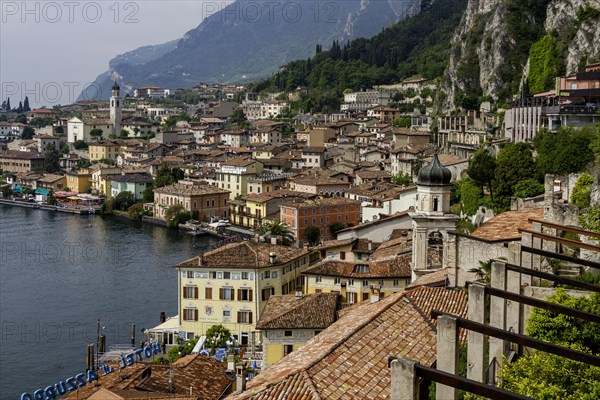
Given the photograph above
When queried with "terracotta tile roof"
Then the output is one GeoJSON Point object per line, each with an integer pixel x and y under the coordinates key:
{"type": "Point", "coordinates": [505, 226]}
{"type": "Point", "coordinates": [325, 201]}
{"type": "Point", "coordinates": [132, 178]}
{"type": "Point", "coordinates": [115, 394]}
{"type": "Point", "coordinates": [244, 255]}
{"type": "Point", "coordinates": [48, 178]}
{"type": "Point", "coordinates": [21, 155]}
{"type": "Point", "coordinates": [320, 180]}
{"type": "Point", "coordinates": [437, 278]}
{"type": "Point", "coordinates": [239, 162]}
{"type": "Point", "coordinates": [181, 189]}
{"type": "Point", "coordinates": [392, 248]}
{"type": "Point", "coordinates": [349, 360]}
{"type": "Point", "coordinates": [204, 374]}
{"type": "Point", "coordinates": [397, 267]}
{"type": "Point", "coordinates": [448, 159]}
{"type": "Point", "coordinates": [312, 311]}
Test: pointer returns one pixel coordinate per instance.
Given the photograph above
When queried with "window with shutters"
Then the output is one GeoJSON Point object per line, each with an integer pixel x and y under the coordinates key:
{"type": "Point", "coordinates": [318, 279]}
{"type": "Point", "coordinates": [190, 292]}
{"type": "Point", "coordinates": [287, 349]}
{"type": "Point", "coordinates": [226, 294]}
{"type": "Point", "coordinates": [365, 296]}
{"type": "Point", "coordinates": [267, 293]}
{"type": "Point", "coordinates": [190, 314]}
{"type": "Point", "coordinates": [351, 297]}
{"type": "Point", "coordinates": [337, 281]}
{"type": "Point", "coordinates": [208, 293]}
{"type": "Point", "coordinates": [244, 317]}
{"type": "Point", "coordinates": [226, 275]}
{"type": "Point", "coordinates": [244, 294]}
{"type": "Point", "coordinates": [190, 274]}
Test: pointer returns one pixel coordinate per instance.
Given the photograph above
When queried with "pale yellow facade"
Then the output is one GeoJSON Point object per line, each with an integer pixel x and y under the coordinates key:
{"type": "Point", "coordinates": [100, 183]}
{"type": "Point", "coordinates": [278, 343]}
{"type": "Point", "coordinates": [79, 181]}
{"type": "Point", "coordinates": [106, 151]}
{"type": "Point", "coordinates": [235, 178]}
{"type": "Point", "coordinates": [355, 290]}
{"type": "Point", "coordinates": [233, 297]}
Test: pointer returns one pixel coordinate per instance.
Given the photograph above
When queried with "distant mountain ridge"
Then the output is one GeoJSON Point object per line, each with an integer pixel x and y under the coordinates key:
{"type": "Point", "coordinates": [243, 43]}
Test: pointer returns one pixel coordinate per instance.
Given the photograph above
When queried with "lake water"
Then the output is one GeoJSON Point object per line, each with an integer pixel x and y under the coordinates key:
{"type": "Point", "coordinates": [59, 273]}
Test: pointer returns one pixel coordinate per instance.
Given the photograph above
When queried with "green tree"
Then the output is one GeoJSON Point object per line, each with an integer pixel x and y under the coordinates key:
{"type": "Point", "coordinates": [21, 119]}
{"type": "Point", "coordinates": [175, 215]}
{"type": "Point", "coordinates": [148, 196]}
{"type": "Point", "coordinates": [135, 210]}
{"type": "Point", "coordinates": [39, 122]}
{"type": "Point", "coordinates": [279, 230]}
{"type": "Point", "coordinates": [52, 159]}
{"type": "Point", "coordinates": [528, 188]}
{"type": "Point", "coordinates": [563, 329]}
{"type": "Point", "coordinates": [8, 104]}
{"type": "Point", "coordinates": [590, 219]}
{"type": "Point", "coordinates": [336, 227]}
{"type": "Point", "coordinates": [403, 179]}
{"type": "Point", "coordinates": [312, 234]}
{"type": "Point", "coordinates": [514, 164]}
{"type": "Point", "coordinates": [28, 133]}
{"type": "Point", "coordinates": [566, 151]}
{"type": "Point", "coordinates": [26, 107]}
{"type": "Point", "coordinates": [471, 197]}
{"type": "Point", "coordinates": [80, 144]}
{"type": "Point", "coordinates": [51, 199]}
{"type": "Point", "coordinates": [123, 201]}
{"type": "Point", "coordinates": [402, 122]}
{"type": "Point", "coordinates": [217, 337]}
{"type": "Point", "coordinates": [96, 133]}
{"type": "Point", "coordinates": [238, 116]}
{"type": "Point", "coordinates": [124, 134]}
{"type": "Point", "coordinates": [547, 377]}
{"type": "Point", "coordinates": [582, 191]}
{"type": "Point", "coordinates": [482, 168]}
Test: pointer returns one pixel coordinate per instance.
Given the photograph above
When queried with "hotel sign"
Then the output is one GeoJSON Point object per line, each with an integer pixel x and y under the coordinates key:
{"type": "Point", "coordinates": [73, 383]}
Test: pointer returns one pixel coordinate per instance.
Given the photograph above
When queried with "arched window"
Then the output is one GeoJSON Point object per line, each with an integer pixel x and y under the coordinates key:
{"type": "Point", "coordinates": [435, 250]}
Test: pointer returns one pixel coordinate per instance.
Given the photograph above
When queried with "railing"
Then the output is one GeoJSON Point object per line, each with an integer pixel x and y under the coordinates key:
{"type": "Point", "coordinates": [571, 109]}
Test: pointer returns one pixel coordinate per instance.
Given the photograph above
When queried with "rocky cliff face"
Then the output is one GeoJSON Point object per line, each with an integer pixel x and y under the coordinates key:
{"type": "Point", "coordinates": [490, 57]}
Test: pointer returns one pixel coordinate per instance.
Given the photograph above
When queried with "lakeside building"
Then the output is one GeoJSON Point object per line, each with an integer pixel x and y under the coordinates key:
{"type": "Point", "coordinates": [231, 285]}
{"type": "Point", "coordinates": [207, 201]}
{"type": "Point", "coordinates": [234, 175]}
{"type": "Point", "coordinates": [320, 213]}
{"type": "Point", "coordinates": [21, 161]}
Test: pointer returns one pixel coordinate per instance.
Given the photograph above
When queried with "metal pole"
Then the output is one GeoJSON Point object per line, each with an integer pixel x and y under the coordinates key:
{"type": "Point", "coordinates": [98, 344]}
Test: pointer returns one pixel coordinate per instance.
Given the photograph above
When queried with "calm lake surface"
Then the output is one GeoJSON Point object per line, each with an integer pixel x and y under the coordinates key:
{"type": "Point", "coordinates": [59, 273]}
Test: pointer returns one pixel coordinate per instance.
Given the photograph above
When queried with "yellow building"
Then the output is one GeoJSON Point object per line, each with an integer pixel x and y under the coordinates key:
{"type": "Point", "coordinates": [105, 150]}
{"type": "Point", "coordinates": [101, 181]}
{"type": "Point", "coordinates": [79, 181]}
{"type": "Point", "coordinates": [234, 174]}
{"type": "Point", "coordinates": [231, 285]}
{"type": "Point", "coordinates": [253, 210]}
{"type": "Point", "coordinates": [292, 320]}
{"type": "Point", "coordinates": [357, 282]}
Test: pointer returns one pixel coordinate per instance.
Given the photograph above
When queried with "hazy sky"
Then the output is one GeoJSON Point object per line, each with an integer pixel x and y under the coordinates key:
{"type": "Point", "coordinates": [50, 49]}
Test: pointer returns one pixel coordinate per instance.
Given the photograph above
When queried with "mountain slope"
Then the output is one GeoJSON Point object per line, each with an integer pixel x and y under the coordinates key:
{"type": "Point", "coordinates": [417, 45]}
{"type": "Point", "coordinates": [243, 42]}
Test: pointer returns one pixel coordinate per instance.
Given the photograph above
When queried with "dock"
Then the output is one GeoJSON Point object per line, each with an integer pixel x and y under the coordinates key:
{"type": "Point", "coordinates": [81, 210]}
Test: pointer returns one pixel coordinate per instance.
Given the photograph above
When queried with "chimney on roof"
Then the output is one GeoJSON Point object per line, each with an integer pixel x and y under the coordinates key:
{"type": "Point", "coordinates": [299, 293]}
{"type": "Point", "coordinates": [375, 292]}
{"type": "Point", "coordinates": [272, 257]}
{"type": "Point", "coordinates": [163, 317]}
{"type": "Point", "coordinates": [370, 244]}
{"type": "Point", "coordinates": [240, 382]}
{"type": "Point", "coordinates": [201, 260]}
{"type": "Point", "coordinates": [231, 362]}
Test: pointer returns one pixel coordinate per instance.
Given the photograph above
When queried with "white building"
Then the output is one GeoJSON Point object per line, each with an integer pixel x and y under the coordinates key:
{"type": "Point", "coordinates": [78, 129]}
{"type": "Point", "coordinates": [361, 101]}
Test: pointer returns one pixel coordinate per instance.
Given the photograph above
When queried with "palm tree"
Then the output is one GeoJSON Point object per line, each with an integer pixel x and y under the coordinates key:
{"type": "Point", "coordinates": [277, 229]}
{"type": "Point", "coordinates": [484, 272]}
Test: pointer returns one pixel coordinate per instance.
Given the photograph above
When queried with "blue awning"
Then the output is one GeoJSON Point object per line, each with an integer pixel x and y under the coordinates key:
{"type": "Point", "coordinates": [18, 189]}
{"type": "Point", "coordinates": [44, 192]}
